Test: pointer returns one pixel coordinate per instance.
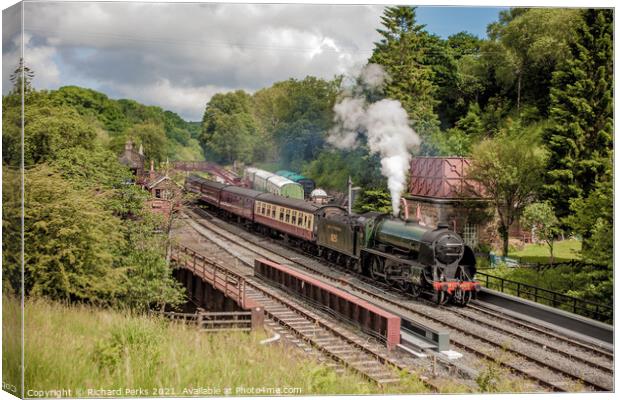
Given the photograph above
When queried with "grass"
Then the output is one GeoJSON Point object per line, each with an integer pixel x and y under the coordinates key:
{"type": "Point", "coordinates": [563, 250]}
{"type": "Point", "coordinates": [82, 348]}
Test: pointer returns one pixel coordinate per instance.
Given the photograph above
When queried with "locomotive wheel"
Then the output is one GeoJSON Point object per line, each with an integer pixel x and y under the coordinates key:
{"type": "Point", "coordinates": [403, 286]}
{"type": "Point", "coordinates": [440, 297]}
{"type": "Point", "coordinates": [461, 298]}
{"type": "Point", "coordinates": [416, 290]}
{"type": "Point", "coordinates": [375, 268]}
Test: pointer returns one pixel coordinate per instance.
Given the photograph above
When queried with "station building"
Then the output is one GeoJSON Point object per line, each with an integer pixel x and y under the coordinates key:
{"type": "Point", "coordinates": [439, 191]}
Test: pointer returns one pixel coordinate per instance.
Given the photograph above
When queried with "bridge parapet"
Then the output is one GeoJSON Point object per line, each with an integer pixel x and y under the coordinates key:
{"type": "Point", "coordinates": [229, 283]}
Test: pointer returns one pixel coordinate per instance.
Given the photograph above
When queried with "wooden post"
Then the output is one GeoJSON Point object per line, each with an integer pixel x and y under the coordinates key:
{"type": "Point", "coordinates": [258, 318]}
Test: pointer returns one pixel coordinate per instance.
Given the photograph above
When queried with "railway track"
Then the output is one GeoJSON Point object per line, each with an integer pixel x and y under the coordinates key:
{"type": "Point", "coordinates": [523, 354]}
{"type": "Point", "coordinates": [336, 344]}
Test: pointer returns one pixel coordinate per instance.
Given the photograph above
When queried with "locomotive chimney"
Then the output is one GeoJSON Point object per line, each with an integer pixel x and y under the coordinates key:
{"type": "Point", "coordinates": [443, 225]}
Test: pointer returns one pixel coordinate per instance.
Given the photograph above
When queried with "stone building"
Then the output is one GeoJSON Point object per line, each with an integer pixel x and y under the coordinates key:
{"type": "Point", "coordinates": [165, 192]}
{"type": "Point", "coordinates": [439, 192]}
{"type": "Point", "coordinates": [133, 159]}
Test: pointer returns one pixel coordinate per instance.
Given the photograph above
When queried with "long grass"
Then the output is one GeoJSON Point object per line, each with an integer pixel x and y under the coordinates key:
{"type": "Point", "coordinates": [81, 348]}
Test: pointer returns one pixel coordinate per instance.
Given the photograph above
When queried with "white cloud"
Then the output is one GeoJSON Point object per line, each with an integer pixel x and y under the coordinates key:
{"type": "Point", "coordinates": [193, 49]}
{"type": "Point", "coordinates": [40, 60]}
{"type": "Point", "coordinates": [186, 101]}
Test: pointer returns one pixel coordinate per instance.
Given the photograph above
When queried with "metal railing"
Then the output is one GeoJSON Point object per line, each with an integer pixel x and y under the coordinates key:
{"type": "Point", "coordinates": [551, 298]}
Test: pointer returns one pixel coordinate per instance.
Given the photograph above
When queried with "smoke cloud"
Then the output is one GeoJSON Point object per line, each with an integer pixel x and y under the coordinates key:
{"type": "Point", "coordinates": [385, 125]}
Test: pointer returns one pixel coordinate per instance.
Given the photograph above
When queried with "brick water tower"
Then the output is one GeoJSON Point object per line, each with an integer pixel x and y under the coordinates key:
{"type": "Point", "coordinates": [439, 191]}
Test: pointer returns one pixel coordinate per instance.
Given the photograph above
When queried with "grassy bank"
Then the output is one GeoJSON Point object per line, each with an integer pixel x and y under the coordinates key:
{"type": "Point", "coordinates": [81, 348]}
{"type": "Point", "coordinates": [563, 250]}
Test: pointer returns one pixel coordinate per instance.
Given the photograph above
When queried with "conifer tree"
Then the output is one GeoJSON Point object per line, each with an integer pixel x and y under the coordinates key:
{"type": "Point", "coordinates": [401, 51]}
{"type": "Point", "coordinates": [580, 137]}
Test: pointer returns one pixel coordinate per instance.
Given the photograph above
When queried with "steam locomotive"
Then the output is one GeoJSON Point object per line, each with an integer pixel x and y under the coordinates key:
{"type": "Point", "coordinates": [411, 257]}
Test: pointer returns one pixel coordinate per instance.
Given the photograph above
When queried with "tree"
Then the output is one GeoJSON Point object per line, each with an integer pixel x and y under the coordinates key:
{"type": "Point", "coordinates": [302, 114]}
{"type": "Point", "coordinates": [541, 219]}
{"type": "Point", "coordinates": [510, 168]}
{"type": "Point", "coordinates": [70, 242]}
{"type": "Point", "coordinates": [22, 76]}
{"type": "Point", "coordinates": [374, 200]}
{"type": "Point", "coordinates": [402, 51]}
{"type": "Point", "coordinates": [229, 130]}
{"type": "Point", "coordinates": [592, 218]}
{"type": "Point", "coordinates": [48, 130]}
{"type": "Point", "coordinates": [580, 136]}
{"type": "Point", "coordinates": [153, 139]}
{"type": "Point", "coordinates": [525, 45]}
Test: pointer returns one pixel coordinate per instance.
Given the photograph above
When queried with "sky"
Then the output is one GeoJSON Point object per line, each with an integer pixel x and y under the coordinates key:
{"type": "Point", "coordinates": [177, 55]}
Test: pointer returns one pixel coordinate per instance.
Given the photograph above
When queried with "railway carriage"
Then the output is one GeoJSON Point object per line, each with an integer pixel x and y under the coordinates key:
{"type": "Point", "coordinates": [292, 217]}
{"type": "Point", "coordinates": [260, 180]}
{"type": "Point", "coordinates": [307, 183]}
{"type": "Point", "coordinates": [239, 201]}
{"type": "Point", "coordinates": [281, 186]}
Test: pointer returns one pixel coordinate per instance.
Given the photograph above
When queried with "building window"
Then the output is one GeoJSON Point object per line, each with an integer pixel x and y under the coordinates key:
{"type": "Point", "coordinates": [158, 193]}
{"type": "Point", "coordinates": [470, 235]}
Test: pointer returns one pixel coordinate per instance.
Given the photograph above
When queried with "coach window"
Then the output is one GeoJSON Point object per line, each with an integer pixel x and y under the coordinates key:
{"type": "Point", "coordinates": [294, 218]}
{"type": "Point", "coordinates": [288, 216]}
{"type": "Point", "coordinates": [262, 208]}
{"type": "Point", "coordinates": [273, 212]}
{"type": "Point", "coordinates": [281, 214]}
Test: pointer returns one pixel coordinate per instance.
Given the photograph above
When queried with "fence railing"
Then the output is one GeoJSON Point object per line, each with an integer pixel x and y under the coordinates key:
{"type": "Point", "coordinates": [558, 300]}
{"type": "Point", "coordinates": [232, 285]}
{"type": "Point", "coordinates": [215, 321]}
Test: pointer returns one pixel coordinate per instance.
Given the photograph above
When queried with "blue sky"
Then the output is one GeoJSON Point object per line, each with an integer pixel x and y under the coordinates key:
{"type": "Point", "coordinates": [445, 21]}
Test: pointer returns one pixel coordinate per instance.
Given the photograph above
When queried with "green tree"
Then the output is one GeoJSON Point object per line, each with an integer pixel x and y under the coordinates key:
{"type": "Point", "coordinates": [303, 114]}
{"type": "Point", "coordinates": [22, 76]}
{"type": "Point", "coordinates": [229, 130]}
{"type": "Point", "coordinates": [580, 137]}
{"type": "Point", "coordinates": [70, 242]}
{"type": "Point", "coordinates": [540, 217]}
{"type": "Point", "coordinates": [510, 168]}
{"type": "Point", "coordinates": [148, 281]}
{"type": "Point", "coordinates": [402, 51]}
{"type": "Point", "coordinates": [592, 218]}
{"type": "Point", "coordinates": [525, 46]}
{"type": "Point", "coordinates": [153, 139]}
{"type": "Point", "coordinates": [49, 130]}
{"type": "Point", "coordinates": [373, 200]}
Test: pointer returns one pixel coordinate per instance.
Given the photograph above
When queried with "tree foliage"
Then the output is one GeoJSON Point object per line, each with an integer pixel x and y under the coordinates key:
{"type": "Point", "coordinates": [378, 200]}
{"type": "Point", "coordinates": [541, 219]}
{"type": "Point", "coordinates": [510, 168]}
{"type": "Point", "coordinates": [71, 242]}
{"type": "Point", "coordinates": [403, 50]}
{"type": "Point", "coordinates": [580, 136]}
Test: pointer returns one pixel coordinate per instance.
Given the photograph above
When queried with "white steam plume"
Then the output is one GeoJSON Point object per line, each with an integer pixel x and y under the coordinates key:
{"type": "Point", "coordinates": [386, 126]}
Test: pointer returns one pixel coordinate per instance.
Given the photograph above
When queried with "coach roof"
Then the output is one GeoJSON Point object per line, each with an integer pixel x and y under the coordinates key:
{"type": "Point", "coordinates": [242, 191]}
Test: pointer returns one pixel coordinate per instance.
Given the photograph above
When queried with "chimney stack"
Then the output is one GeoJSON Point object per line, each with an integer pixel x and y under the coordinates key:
{"type": "Point", "coordinates": [152, 171]}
